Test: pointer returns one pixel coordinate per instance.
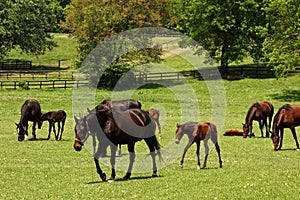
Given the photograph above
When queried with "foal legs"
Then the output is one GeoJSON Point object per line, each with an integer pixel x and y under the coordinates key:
{"type": "Point", "coordinates": [50, 129]}
{"type": "Point", "coordinates": [189, 144]}
{"type": "Point", "coordinates": [62, 129]}
{"type": "Point", "coordinates": [98, 168]}
{"type": "Point", "coordinates": [33, 131]}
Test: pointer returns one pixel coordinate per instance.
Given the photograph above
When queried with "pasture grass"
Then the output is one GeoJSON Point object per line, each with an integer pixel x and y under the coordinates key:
{"type": "Point", "coordinates": [251, 169]}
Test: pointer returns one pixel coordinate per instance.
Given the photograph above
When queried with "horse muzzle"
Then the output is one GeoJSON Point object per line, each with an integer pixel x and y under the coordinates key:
{"type": "Point", "coordinates": [177, 141]}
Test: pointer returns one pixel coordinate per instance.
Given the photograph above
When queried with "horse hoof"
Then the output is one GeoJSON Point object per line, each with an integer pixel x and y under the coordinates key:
{"type": "Point", "coordinates": [181, 166]}
{"type": "Point", "coordinates": [103, 177]}
{"type": "Point", "coordinates": [198, 167]}
{"type": "Point", "coordinates": [111, 180]}
{"type": "Point", "coordinates": [154, 175]}
{"type": "Point", "coordinates": [127, 176]}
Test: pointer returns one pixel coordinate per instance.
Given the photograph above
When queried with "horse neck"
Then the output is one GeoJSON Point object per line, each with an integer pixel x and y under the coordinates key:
{"type": "Point", "coordinates": [277, 120]}
{"type": "Point", "coordinates": [249, 116]}
{"type": "Point", "coordinates": [23, 121]}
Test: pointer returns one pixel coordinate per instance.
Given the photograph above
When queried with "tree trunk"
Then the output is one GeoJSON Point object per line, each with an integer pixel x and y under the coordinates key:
{"type": "Point", "coordinates": [224, 60]}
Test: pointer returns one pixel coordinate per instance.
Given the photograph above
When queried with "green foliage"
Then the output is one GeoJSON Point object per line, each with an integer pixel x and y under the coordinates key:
{"type": "Point", "coordinates": [282, 43]}
{"type": "Point", "coordinates": [226, 29]}
{"type": "Point", "coordinates": [92, 22]}
{"type": "Point", "coordinates": [25, 24]}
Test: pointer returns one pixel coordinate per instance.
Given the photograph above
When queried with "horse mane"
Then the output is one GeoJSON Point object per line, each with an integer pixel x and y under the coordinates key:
{"type": "Point", "coordinates": [255, 105]}
{"type": "Point", "coordinates": [275, 121]}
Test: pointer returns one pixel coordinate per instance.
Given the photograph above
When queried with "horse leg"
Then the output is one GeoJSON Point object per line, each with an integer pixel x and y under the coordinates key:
{"type": "Point", "coordinates": [198, 155]}
{"type": "Point", "coordinates": [98, 168]}
{"type": "Point", "coordinates": [206, 153]}
{"type": "Point", "coordinates": [295, 137]}
{"type": "Point", "coordinates": [131, 158]}
{"type": "Point", "coordinates": [281, 138]}
{"type": "Point", "coordinates": [113, 149]}
{"type": "Point", "coordinates": [33, 131]}
{"type": "Point", "coordinates": [54, 131]}
{"type": "Point", "coordinates": [219, 153]}
{"type": "Point", "coordinates": [150, 144]}
{"type": "Point", "coordinates": [261, 125]}
{"type": "Point", "coordinates": [62, 129]}
{"type": "Point", "coordinates": [189, 144]}
{"type": "Point", "coordinates": [119, 151]}
{"type": "Point", "coordinates": [50, 129]}
{"type": "Point", "coordinates": [58, 131]}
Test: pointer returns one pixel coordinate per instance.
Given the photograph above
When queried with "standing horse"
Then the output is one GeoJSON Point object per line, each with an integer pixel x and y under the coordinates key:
{"type": "Point", "coordinates": [197, 132]}
{"type": "Point", "coordinates": [118, 105]}
{"type": "Point", "coordinates": [54, 117]}
{"type": "Point", "coordinates": [288, 116]}
{"type": "Point", "coordinates": [259, 111]}
{"type": "Point", "coordinates": [30, 111]}
{"type": "Point", "coordinates": [118, 127]}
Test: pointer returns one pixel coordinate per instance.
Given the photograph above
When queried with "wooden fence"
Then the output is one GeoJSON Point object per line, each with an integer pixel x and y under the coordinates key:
{"type": "Point", "coordinates": [15, 64]}
{"type": "Point", "coordinates": [35, 74]}
{"type": "Point", "coordinates": [39, 84]}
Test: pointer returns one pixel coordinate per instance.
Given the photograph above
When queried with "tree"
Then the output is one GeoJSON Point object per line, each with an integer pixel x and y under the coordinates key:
{"type": "Point", "coordinates": [282, 33]}
{"type": "Point", "coordinates": [227, 30]}
{"type": "Point", "coordinates": [93, 22]}
{"type": "Point", "coordinates": [26, 24]}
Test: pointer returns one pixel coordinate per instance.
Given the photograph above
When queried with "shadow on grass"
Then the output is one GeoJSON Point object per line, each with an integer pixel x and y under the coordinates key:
{"type": "Point", "coordinates": [121, 179]}
{"type": "Point", "coordinates": [287, 95]}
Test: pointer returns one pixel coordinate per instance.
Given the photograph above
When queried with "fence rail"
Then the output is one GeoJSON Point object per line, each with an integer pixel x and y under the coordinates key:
{"type": "Point", "coordinates": [47, 75]}
{"type": "Point", "coordinates": [39, 84]}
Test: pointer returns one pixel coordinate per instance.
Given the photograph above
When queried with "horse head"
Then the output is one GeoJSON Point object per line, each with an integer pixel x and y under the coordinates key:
{"type": "Point", "coordinates": [22, 130]}
{"type": "Point", "coordinates": [246, 129]}
{"type": "Point", "coordinates": [275, 139]}
{"type": "Point", "coordinates": [81, 133]}
{"type": "Point", "coordinates": [178, 133]}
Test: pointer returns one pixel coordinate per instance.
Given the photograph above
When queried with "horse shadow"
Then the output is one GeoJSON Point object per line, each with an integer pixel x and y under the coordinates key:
{"type": "Point", "coordinates": [121, 179]}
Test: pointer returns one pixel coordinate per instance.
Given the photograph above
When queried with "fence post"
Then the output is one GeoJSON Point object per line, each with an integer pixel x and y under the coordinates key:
{"type": "Point", "coordinates": [41, 84]}
{"type": "Point", "coordinates": [15, 85]}
{"type": "Point", "coordinates": [53, 84]}
{"type": "Point", "coordinates": [58, 64]}
{"type": "Point", "coordinates": [65, 84]}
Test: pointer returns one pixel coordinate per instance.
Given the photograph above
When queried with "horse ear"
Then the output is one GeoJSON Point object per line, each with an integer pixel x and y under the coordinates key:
{"type": "Point", "coordinates": [76, 120]}
{"type": "Point", "coordinates": [177, 125]}
{"type": "Point", "coordinates": [89, 111]}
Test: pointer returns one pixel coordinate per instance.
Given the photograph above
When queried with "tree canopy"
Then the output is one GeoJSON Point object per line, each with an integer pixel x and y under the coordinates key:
{"type": "Point", "coordinates": [26, 24]}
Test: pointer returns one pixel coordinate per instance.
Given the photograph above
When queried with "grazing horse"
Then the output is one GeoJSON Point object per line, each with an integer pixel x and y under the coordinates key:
{"type": "Point", "coordinates": [259, 111]}
{"type": "Point", "coordinates": [30, 111]}
{"type": "Point", "coordinates": [197, 132]}
{"type": "Point", "coordinates": [54, 117]}
{"type": "Point", "coordinates": [118, 127]}
{"type": "Point", "coordinates": [235, 132]}
{"type": "Point", "coordinates": [288, 116]}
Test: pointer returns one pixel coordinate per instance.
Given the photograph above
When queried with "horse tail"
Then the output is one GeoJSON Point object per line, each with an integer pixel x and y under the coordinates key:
{"type": "Point", "coordinates": [214, 133]}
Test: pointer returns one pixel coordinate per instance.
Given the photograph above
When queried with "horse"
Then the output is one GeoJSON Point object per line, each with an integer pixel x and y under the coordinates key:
{"type": "Point", "coordinates": [54, 117]}
{"type": "Point", "coordinates": [259, 111]}
{"type": "Point", "coordinates": [115, 127]}
{"type": "Point", "coordinates": [154, 113]}
{"type": "Point", "coordinates": [115, 104]}
{"type": "Point", "coordinates": [288, 116]}
{"type": "Point", "coordinates": [235, 132]}
{"type": "Point", "coordinates": [119, 104]}
{"type": "Point", "coordinates": [30, 111]}
{"type": "Point", "coordinates": [197, 132]}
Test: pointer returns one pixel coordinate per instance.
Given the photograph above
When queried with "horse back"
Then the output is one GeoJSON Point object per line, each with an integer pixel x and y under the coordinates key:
{"type": "Point", "coordinates": [31, 110]}
{"type": "Point", "coordinates": [207, 131]}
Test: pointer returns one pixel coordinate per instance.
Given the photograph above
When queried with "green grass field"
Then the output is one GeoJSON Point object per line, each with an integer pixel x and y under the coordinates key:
{"type": "Point", "coordinates": [251, 169]}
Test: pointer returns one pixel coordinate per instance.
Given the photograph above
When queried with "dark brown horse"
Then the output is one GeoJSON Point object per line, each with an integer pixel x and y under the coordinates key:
{"type": "Point", "coordinates": [288, 116]}
{"type": "Point", "coordinates": [118, 127]}
{"type": "Point", "coordinates": [54, 117]}
{"type": "Point", "coordinates": [197, 132]}
{"type": "Point", "coordinates": [119, 104]}
{"type": "Point", "coordinates": [259, 111]}
{"type": "Point", "coordinates": [30, 111]}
